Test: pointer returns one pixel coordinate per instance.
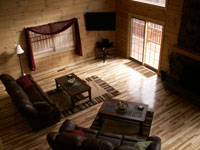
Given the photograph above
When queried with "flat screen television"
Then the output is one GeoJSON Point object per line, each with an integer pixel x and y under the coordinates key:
{"type": "Point", "coordinates": [100, 21]}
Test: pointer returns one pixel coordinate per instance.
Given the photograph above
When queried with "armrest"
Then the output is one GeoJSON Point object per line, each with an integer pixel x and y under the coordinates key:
{"type": "Point", "coordinates": [28, 110]}
{"type": "Point", "coordinates": [156, 144]}
{"type": "Point", "coordinates": [51, 138]}
{"type": "Point", "coordinates": [6, 79]}
{"type": "Point", "coordinates": [68, 141]}
{"type": "Point", "coordinates": [68, 125]}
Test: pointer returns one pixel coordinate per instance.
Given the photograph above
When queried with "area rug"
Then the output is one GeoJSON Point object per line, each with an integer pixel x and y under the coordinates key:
{"type": "Point", "coordinates": [124, 128]}
{"type": "Point", "coordinates": [140, 68]}
{"type": "Point", "coordinates": [100, 91]}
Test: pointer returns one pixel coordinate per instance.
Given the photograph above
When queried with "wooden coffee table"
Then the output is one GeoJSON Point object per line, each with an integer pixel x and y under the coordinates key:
{"type": "Point", "coordinates": [75, 91]}
{"type": "Point", "coordinates": [133, 114]}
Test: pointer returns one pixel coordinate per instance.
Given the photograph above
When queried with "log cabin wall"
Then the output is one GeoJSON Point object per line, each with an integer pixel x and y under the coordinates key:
{"type": "Point", "coordinates": [170, 17]}
{"type": "Point", "coordinates": [15, 15]}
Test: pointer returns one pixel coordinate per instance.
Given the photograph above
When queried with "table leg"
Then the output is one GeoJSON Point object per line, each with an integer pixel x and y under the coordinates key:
{"type": "Point", "coordinates": [57, 87]}
{"type": "Point", "coordinates": [141, 128]}
{"type": "Point", "coordinates": [100, 119]}
{"type": "Point", "coordinates": [89, 92]}
{"type": "Point", "coordinates": [104, 55]}
{"type": "Point", "coordinates": [72, 101]}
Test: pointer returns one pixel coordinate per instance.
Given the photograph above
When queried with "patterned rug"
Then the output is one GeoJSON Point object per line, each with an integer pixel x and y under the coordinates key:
{"type": "Point", "coordinates": [141, 69]}
{"type": "Point", "coordinates": [100, 91]}
{"type": "Point", "coordinates": [124, 128]}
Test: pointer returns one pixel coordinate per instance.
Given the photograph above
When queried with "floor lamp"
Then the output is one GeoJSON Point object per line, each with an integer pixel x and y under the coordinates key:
{"type": "Point", "coordinates": [20, 51]}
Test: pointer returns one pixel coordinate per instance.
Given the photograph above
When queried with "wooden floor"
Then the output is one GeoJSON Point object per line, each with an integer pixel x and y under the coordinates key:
{"type": "Point", "coordinates": [176, 121]}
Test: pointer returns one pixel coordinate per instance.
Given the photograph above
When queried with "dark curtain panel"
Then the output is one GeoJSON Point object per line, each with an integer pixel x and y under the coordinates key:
{"type": "Point", "coordinates": [50, 29]}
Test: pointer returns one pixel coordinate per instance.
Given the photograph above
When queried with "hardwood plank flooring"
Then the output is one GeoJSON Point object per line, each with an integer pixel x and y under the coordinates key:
{"type": "Point", "coordinates": [176, 121]}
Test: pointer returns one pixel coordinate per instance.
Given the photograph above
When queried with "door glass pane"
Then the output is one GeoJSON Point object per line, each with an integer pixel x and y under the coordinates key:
{"type": "Point", "coordinates": [153, 44]}
{"type": "Point", "coordinates": [137, 38]}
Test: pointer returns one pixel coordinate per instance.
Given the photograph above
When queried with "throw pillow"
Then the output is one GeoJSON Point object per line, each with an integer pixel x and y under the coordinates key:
{"type": "Point", "coordinates": [40, 105]}
{"type": "Point", "coordinates": [25, 82]}
{"type": "Point", "coordinates": [78, 132]}
{"type": "Point", "coordinates": [142, 145]}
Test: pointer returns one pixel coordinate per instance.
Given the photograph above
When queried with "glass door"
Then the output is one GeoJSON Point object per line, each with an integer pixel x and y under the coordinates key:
{"type": "Point", "coordinates": [146, 38]}
{"type": "Point", "coordinates": [153, 44]}
{"type": "Point", "coordinates": [137, 39]}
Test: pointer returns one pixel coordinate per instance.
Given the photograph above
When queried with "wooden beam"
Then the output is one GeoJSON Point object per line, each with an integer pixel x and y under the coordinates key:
{"type": "Point", "coordinates": [188, 53]}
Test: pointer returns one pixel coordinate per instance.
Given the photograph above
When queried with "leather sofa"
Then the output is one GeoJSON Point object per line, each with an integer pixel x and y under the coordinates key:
{"type": "Point", "coordinates": [23, 98]}
{"type": "Point", "coordinates": [95, 140]}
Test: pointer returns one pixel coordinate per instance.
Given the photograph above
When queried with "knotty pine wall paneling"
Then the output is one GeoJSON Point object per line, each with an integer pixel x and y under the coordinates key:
{"type": "Point", "coordinates": [170, 16]}
{"type": "Point", "coordinates": [15, 15]}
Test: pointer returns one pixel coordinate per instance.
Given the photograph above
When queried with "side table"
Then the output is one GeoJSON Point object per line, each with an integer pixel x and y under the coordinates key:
{"type": "Point", "coordinates": [103, 52]}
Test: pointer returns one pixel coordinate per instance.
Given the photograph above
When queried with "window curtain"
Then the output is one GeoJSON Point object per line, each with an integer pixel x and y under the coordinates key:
{"type": "Point", "coordinates": [50, 29]}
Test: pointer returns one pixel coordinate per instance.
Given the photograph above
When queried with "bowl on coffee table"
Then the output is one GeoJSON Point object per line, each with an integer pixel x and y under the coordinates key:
{"type": "Point", "coordinates": [121, 107]}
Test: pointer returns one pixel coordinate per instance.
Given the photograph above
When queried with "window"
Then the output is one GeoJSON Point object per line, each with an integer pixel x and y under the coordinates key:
{"type": "Point", "coordinates": [47, 43]}
{"type": "Point", "coordinates": [53, 37]}
{"type": "Point", "coordinates": [161, 3]}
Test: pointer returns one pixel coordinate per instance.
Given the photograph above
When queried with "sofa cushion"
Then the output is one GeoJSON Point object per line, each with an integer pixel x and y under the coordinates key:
{"type": "Point", "coordinates": [128, 140]}
{"type": "Point", "coordinates": [96, 144]}
{"type": "Point", "coordinates": [25, 82]}
{"type": "Point", "coordinates": [89, 133]}
{"type": "Point", "coordinates": [17, 94]}
{"type": "Point", "coordinates": [40, 105]}
{"type": "Point", "coordinates": [34, 95]}
{"type": "Point", "coordinates": [113, 138]}
{"type": "Point", "coordinates": [138, 146]}
{"type": "Point", "coordinates": [126, 147]}
{"type": "Point", "coordinates": [78, 132]}
{"type": "Point", "coordinates": [28, 110]}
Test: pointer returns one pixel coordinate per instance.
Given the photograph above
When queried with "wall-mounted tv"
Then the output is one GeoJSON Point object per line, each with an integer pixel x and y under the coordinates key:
{"type": "Point", "coordinates": [100, 21]}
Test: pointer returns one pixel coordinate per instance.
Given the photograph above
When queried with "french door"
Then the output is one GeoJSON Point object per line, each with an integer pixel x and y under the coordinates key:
{"type": "Point", "coordinates": [146, 40]}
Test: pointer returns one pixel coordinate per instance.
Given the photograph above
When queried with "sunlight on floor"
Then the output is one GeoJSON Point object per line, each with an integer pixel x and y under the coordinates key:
{"type": "Point", "coordinates": [146, 93]}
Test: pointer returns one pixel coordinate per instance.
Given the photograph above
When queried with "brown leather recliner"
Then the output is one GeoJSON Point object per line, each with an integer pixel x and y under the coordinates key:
{"type": "Point", "coordinates": [38, 119]}
{"type": "Point", "coordinates": [96, 140]}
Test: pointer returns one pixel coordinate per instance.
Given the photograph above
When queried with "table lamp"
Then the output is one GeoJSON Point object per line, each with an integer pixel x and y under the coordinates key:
{"type": "Point", "coordinates": [20, 51]}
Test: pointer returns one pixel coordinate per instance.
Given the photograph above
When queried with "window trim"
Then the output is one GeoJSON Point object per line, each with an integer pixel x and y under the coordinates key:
{"type": "Point", "coordinates": [148, 4]}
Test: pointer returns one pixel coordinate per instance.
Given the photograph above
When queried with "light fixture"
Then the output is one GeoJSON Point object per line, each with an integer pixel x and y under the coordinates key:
{"type": "Point", "coordinates": [20, 51]}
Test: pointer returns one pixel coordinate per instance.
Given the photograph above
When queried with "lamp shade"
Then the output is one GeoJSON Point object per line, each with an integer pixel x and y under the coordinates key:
{"type": "Point", "coordinates": [19, 50]}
